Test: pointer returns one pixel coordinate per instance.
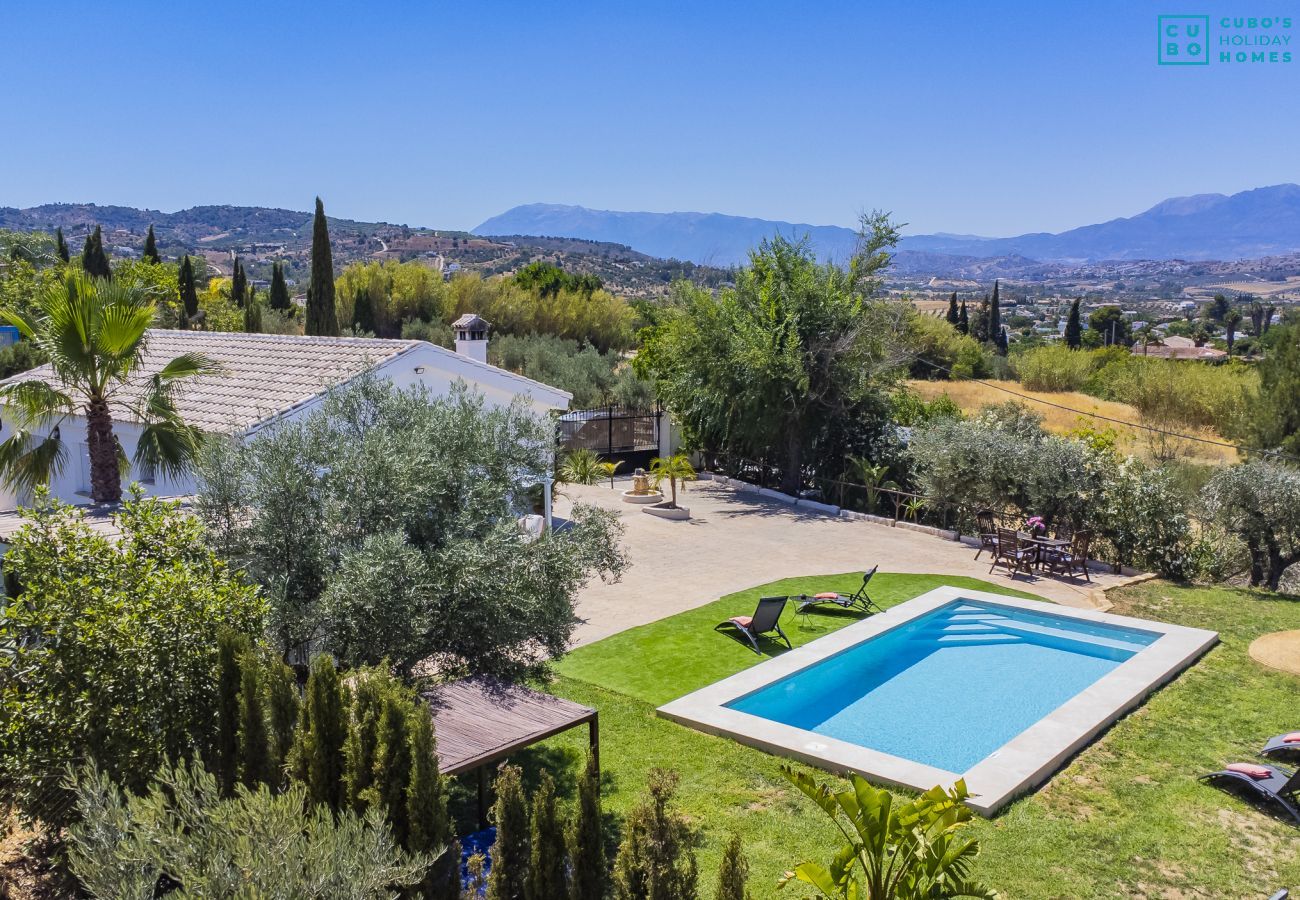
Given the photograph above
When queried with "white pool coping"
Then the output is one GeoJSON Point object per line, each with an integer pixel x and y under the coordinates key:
{"type": "Point", "coordinates": [1023, 763]}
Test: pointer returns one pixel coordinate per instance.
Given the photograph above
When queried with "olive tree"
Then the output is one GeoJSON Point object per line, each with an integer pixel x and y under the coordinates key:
{"type": "Point", "coordinates": [1258, 502]}
{"type": "Point", "coordinates": [384, 526]}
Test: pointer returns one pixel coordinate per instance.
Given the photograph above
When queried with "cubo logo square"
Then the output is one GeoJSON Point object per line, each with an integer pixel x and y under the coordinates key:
{"type": "Point", "coordinates": [1184, 40]}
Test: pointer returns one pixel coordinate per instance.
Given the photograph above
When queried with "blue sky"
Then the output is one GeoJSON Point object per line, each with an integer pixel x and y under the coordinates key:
{"type": "Point", "coordinates": [991, 118]}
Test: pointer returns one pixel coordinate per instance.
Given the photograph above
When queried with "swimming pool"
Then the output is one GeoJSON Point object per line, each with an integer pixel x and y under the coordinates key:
{"type": "Point", "coordinates": [951, 684]}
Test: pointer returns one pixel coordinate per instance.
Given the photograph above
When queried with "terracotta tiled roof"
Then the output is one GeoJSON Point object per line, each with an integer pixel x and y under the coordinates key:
{"type": "Point", "coordinates": [262, 375]}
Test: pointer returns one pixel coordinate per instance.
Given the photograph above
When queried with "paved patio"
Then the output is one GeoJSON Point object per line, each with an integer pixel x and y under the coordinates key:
{"type": "Point", "coordinates": [737, 540]}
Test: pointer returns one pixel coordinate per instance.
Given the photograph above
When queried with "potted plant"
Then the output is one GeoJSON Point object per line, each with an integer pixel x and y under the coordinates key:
{"type": "Point", "coordinates": [671, 469]}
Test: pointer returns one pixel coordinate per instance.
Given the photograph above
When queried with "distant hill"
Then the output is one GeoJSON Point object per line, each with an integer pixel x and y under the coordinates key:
{"type": "Point", "coordinates": [1260, 222]}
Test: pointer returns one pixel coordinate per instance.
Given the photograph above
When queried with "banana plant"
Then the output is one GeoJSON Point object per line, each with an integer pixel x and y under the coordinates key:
{"type": "Point", "coordinates": [913, 507]}
{"type": "Point", "coordinates": [893, 849]}
{"type": "Point", "coordinates": [873, 479]}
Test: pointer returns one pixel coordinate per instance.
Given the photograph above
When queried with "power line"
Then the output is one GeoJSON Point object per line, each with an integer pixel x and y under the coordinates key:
{"type": "Point", "coordinates": [1111, 419]}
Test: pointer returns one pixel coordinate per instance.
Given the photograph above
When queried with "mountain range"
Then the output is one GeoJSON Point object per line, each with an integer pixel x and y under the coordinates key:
{"type": "Point", "coordinates": [1260, 222]}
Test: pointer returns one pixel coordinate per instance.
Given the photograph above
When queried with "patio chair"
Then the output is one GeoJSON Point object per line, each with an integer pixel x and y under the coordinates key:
{"type": "Point", "coordinates": [765, 620]}
{"type": "Point", "coordinates": [1014, 554]}
{"type": "Point", "coordinates": [1072, 560]}
{"type": "Point", "coordinates": [1266, 783]}
{"type": "Point", "coordinates": [858, 601]}
{"type": "Point", "coordinates": [1283, 746]}
{"type": "Point", "coordinates": [987, 527]}
{"type": "Point", "coordinates": [1064, 531]}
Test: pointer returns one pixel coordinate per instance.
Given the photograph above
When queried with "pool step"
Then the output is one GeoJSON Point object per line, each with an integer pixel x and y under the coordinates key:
{"type": "Point", "coordinates": [975, 621]}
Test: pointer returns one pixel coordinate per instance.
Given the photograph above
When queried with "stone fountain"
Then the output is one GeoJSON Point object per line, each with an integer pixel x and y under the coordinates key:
{"type": "Point", "coordinates": [641, 491]}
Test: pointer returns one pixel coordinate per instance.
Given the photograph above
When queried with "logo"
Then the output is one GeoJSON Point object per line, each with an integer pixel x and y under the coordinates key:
{"type": "Point", "coordinates": [1187, 41]}
{"type": "Point", "coordinates": [1184, 40]}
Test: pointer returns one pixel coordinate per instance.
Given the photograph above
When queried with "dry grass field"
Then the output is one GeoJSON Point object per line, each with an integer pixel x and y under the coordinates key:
{"type": "Point", "coordinates": [973, 396]}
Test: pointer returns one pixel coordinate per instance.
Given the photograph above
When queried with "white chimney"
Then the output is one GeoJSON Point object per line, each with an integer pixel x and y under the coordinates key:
{"type": "Point", "coordinates": [471, 336]}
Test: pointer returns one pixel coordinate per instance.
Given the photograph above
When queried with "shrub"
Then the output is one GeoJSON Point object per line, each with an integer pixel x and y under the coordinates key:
{"type": "Point", "coordinates": [656, 860]}
{"type": "Point", "coordinates": [1143, 515]}
{"type": "Point", "coordinates": [733, 872]}
{"type": "Point", "coordinates": [941, 351]}
{"type": "Point", "coordinates": [1053, 368]}
{"type": "Point", "coordinates": [132, 623]}
{"type": "Point", "coordinates": [182, 834]}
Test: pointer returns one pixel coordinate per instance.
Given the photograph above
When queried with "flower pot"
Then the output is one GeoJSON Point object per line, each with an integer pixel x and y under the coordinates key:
{"type": "Point", "coordinates": [667, 511]}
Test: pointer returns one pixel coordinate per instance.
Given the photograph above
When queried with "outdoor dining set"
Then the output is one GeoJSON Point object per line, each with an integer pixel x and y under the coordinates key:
{"type": "Point", "coordinates": [1029, 548]}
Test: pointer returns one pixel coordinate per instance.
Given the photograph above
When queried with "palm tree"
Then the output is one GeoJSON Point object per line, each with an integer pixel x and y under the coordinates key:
{"type": "Point", "coordinates": [95, 332]}
{"type": "Point", "coordinates": [672, 469]}
{"type": "Point", "coordinates": [894, 849]}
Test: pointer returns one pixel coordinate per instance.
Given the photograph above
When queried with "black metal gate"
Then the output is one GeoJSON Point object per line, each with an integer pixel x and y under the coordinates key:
{"type": "Point", "coordinates": [615, 433]}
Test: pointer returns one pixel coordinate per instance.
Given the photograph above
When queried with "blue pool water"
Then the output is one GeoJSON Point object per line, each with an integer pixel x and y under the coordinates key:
{"type": "Point", "coordinates": [949, 687]}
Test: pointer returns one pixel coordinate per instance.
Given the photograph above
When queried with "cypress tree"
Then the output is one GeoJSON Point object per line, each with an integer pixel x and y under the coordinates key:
{"type": "Point", "coordinates": [952, 310]}
{"type": "Point", "coordinates": [426, 810]}
{"type": "Point", "coordinates": [546, 850]}
{"type": "Point", "coordinates": [322, 317]}
{"type": "Point", "coordinates": [1073, 328]}
{"type": "Point", "coordinates": [255, 764]}
{"type": "Point", "coordinates": [733, 873]}
{"type": "Point", "coordinates": [279, 289]}
{"type": "Point", "coordinates": [253, 315]}
{"type": "Point", "coordinates": [979, 323]}
{"type": "Point", "coordinates": [322, 729]}
{"type": "Point", "coordinates": [188, 293]}
{"type": "Point", "coordinates": [363, 312]}
{"type": "Point", "coordinates": [282, 714]}
{"type": "Point", "coordinates": [231, 646]}
{"type": "Point", "coordinates": [238, 284]}
{"type": "Point", "coordinates": [61, 246]}
{"type": "Point", "coordinates": [393, 764]}
{"type": "Point", "coordinates": [93, 259]}
{"type": "Point", "coordinates": [657, 857]}
{"type": "Point", "coordinates": [361, 748]}
{"type": "Point", "coordinates": [995, 312]}
{"type": "Point", "coordinates": [963, 320]}
{"type": "Point", "coordinates": [586, 839]}
{"type": "Point", "coordinates": [150, 253]}
{"type": "Point", "coordinates": [508, 877]}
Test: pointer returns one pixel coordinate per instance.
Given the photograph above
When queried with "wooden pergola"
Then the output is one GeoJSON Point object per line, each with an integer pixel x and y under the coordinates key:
{"type": "Point", "coordinates": [478, 721]}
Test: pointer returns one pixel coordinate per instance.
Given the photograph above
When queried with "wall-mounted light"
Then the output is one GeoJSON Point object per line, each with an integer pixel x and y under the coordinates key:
{"type": "Point", "coordinates": [419, 370]}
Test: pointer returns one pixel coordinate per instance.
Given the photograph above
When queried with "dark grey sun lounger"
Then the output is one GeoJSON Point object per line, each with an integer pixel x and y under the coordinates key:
{"type": "Point", "coordinates": [1281, 748]}
{"type": "Point", "coordinates": [1278, 786]}
{"type": "Point", "coordinates": [858, 601]}
{"type": "Point", "coordinates": [765, 620]}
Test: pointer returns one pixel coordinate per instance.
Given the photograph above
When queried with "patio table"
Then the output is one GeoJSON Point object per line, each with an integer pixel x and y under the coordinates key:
{"type": "Point", "coordinates": [1042, 543]}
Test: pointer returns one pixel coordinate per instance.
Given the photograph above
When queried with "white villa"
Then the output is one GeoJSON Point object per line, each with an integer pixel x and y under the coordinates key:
{"type": "Point", "coordinates": [269, 378]}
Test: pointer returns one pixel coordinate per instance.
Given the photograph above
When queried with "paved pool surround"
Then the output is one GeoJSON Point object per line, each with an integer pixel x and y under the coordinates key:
{"type": "Point", "coordinates": [1018, 766]}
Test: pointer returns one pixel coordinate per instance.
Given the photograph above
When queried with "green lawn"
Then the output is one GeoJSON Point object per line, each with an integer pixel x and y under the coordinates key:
{"type": "Point", "coordinates": [1126, 818]}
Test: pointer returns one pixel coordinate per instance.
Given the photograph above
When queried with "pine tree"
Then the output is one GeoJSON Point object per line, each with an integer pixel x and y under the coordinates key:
{"type": "Point", "coordinates": [61, 246]}
{"type": "Point", "coordinates": [363, 312]}
{"type": "Point", "coordinates": [952, 310]}
{"type": "Point", "coordinates": [508, 877]}
{"type": "Point", "coordinates": [150, 253]}
{"type": "Point", "coordinates": [322, 730]}
{"type": "Point", "coordinates": [238, 284]}
{"type": "Point", "coordinates": [282, 714]}
{"type": "Point", "coordinates": [733, 873]}
{"type": "Point", "coordinates": [322, 317]}
{"type": "Point", "coordinates": [426, 810]}
{"type": "Point", "coordinates": [657, 857]}
{"type": "Point", "coordinates": [255, 764]}
{"type": "Point", "coordinates": [362, 744]}
{"type": "Point", "coordinates": [586, 839]}
{"type": "Point", "coordinates": [1073, 328]}
{"type": "Point", "coordinates": [231, 646]}
{"type": "Point", "coordinates": [188, 293]}
{"type": "Point", "coordinates": [93, 259]}
{"type": "Point", "coordinates": [963, 320]}
{"type": "Point", "coordinates": [546, 846]}
{"type": "Point", "coordinates": [279, 300]}
{"type": "Point", "coordinates": [393, 764]}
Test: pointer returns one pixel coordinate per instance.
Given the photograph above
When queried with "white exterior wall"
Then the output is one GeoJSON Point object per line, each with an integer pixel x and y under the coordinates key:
{"type": "Point", "coordinates": [441, 369]}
